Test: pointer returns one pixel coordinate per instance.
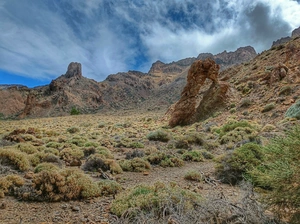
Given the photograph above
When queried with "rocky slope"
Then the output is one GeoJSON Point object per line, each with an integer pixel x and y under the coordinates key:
{"type": "Point", "coordinates": [124, 90]}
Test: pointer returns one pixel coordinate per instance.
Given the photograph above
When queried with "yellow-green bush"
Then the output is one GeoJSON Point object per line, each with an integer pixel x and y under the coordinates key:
{"type": "Point", "coordinates": [156, 197]}
{"type": "Point", "coordinates": [193, 175]}
{"type": "Point", "coordinates": [193, 155]}
{"type": "Point", "coordinates": [15, 158]}
{"type": "Point", "coordinates": [26, 148]}
{"type": "Point", "coordinates": [159, 135]}
{"type": "Point", "coordinates": [280, 171]}
{"type": "Point", "coordinates": [45, 166]}
{"type": "Point", "coordinates": [135, 165]}
{"type": "Point", "coordinates": [234, 165]}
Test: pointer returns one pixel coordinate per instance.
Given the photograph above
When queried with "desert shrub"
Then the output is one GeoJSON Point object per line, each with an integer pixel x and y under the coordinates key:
{"type": "Point", "coordinates": [26, 148]}
{"type": "Point", "coordinates": [55, 145]}
{"type": "Point", "coordinates": [135, 165]}
{"type": "Point", "coordinates": [136, 145]}
{"type": "Point", "coordinates": [51, 151]}
{"type": "Point", "coordinates": [109, 187]}
{"type": "Point", "coordinates": [280, 171]}
{"type": "Point", "coordinates": [73, 130]}
{"type": "Point", "coordinates": [194, 138]}
{"type": "Point", "coordinates": [114, 167]}
{"type": "Point", "coordinates": [18, 160]}
{"type": "Point", "coordinates": [105, 152]}
{"type": "Point", "coordinates": [78, 141]}
{"type": "Point", "coordinates": [172, 162]}
{"type": "Point", "coordinates": [268, 128]}
{"type": "Point", "coordinates": [286, 90]}
{"type": "Point", "coordinates": [45, 166]}
{"type": "Point", "coordinates": [234, 165]}
{"type": "Point", "coordinates": [268, 107]}
{"type": "Point", "coordinates": [8, 183]}
{"type": "Point", "coordinates": [40, 157]}
{"type": "Point", "coordinates": [193, 155]}
{"type": "Point", "coordinates": [68, 154]}
{"type": "Point", "coordinates": [182, 144]}
{"type": "Point", "coordinates": [134, 153]}
{"type": "Point", "coordinates": [294, 111]}
{"type": "Point", "coordinates": [60, 185]}
{"type": "Point", "coordinates": [74, 111]}
{"type": "Point", "coordinates": [207, 155]}
{"type": "Point", "coordinates": [246, 102]}
{"type": "Point", "coordinates": [159, 135]}
{"type": "Point", "coordinates": [193, 175]}
{"type": "Point", "coordinates": [87, 151]}
{"type": "Point", "coordinates": [101, 124]}
{"type": "Point", "coordinates": [231, 125]}
{"type": "Point", "coordinates": [94, 163]}
{"type": "Point", "coordinates": [146, 198]}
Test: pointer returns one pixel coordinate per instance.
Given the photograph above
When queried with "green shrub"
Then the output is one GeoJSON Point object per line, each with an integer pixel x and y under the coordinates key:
{"type": "Point", "coordinates": [294, 111]}
{"type": "Point", "coordinates": [15, 158]}
{"type": "Point", "coordinates": [159, 135]}
{"type": "Point", "coordinates": [286, 90]}
{"type": "Point", "coordinates": [268, 107]}
{"type": "Point", "coordinates": [135, 165]}
{"type": "Point", "coordinates": [109, 187]}
{"type": "Point", "coordinates": [193, 155]}
{"type": "Point", "coordinates": [74, 111]}
{"type": "Point", "coordinates": [54, 145]}
{"type": "Point", "coordinates": [246, 102]}
{"type": "Point", "coordinates": [73, 130]}
{"type": "Point", "coordinates": [26, 148]}
{"type": "Point", "coordinates": [231, 125]}
{"type": "Point", "coordinates": [164, 160]}
{"type": "Point", "coordinates": [45, 166]}
{"type": "Point", "coordinates": [280, 171]}
{"type": "Point", "coordinates": [136, 145]}
{"type": "Point", "coordinates": [153, 198]}
{"type": "Point", "coordinates": [234, 165]}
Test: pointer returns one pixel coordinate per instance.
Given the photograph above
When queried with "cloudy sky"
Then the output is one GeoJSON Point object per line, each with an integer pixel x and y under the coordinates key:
{"type": "Point", "coordinates": [39, 38]}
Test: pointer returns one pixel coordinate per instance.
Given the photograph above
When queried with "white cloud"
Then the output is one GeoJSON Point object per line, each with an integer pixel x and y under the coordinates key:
{"type": "Point", "coordinates": [39, 38]}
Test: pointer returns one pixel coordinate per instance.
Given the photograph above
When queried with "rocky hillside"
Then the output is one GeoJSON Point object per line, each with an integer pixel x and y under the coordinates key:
{"type": "Point", "coordinates": [252, 77]}
{"type": "Point", "coordinates": [124, 90]}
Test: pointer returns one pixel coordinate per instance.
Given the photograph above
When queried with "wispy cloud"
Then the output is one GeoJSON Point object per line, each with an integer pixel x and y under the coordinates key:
{"type": "Point", "coordinates": [39, 38]}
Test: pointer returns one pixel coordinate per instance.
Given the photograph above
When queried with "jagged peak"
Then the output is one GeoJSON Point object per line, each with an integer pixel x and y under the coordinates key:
{"type": "Point", "coordinates": [74, 70]}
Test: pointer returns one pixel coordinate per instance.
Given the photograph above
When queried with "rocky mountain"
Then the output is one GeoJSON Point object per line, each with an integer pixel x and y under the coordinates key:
{"type": "Point", "coordinates": [157, 89]}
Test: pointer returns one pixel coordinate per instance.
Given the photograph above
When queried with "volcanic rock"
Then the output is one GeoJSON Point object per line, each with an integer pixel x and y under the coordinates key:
{"type": "Point", "coordinates": [186, 110]}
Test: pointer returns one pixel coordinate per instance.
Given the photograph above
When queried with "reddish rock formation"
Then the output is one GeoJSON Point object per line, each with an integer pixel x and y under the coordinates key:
{"type": "Point", "coordinates": [186, 110]}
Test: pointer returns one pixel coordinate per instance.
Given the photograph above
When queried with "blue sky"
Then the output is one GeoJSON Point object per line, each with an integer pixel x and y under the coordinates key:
{"type": "Point", "coordinates": [38, 39]}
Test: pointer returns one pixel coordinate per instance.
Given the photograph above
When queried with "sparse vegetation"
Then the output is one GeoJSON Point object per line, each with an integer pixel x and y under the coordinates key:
{"type": "Point", "coordinates": [268, 107]}
{"type": "Point", "coordinates": [159, 135]}
{"type": "Point", "coordinates": [294, 111]}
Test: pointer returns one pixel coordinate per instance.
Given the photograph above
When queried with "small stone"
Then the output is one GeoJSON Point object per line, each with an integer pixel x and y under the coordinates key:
{"type": "Point", "coordinates": [146, 173]}
{"type": "Point", "coordinates": [75, 209]}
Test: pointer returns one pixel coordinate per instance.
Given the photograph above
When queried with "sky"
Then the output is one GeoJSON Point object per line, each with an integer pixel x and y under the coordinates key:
{"type": "Point", "coordinates": [39, 38]}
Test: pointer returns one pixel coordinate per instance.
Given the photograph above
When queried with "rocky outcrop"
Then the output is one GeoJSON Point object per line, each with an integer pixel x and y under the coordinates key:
{"type": "Point", "coordinates": [186, 109]}
{"type": "Point", "coordinates": [296, 32]}
{"type": "Point", "coordinates": [281, 41]}
{"type": "Point", "coordinates": [74, 70]}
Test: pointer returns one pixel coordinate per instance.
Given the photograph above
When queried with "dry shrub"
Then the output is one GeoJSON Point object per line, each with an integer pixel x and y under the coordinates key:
{"type": "Point", "coordinates": [159, 135]}
{"type": "Point", "coordinates": [26, 148]}
{"type": "Point", "coordinates": [193, 175]}
{"type": "Point", "coordinates": [19, 160]}
{"type": "Point", "coordinates": [94, 163]}
{"type": "Point", "coordinates": [58, 185]}
{"type": "Point", "coordinates": [8, 183]}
